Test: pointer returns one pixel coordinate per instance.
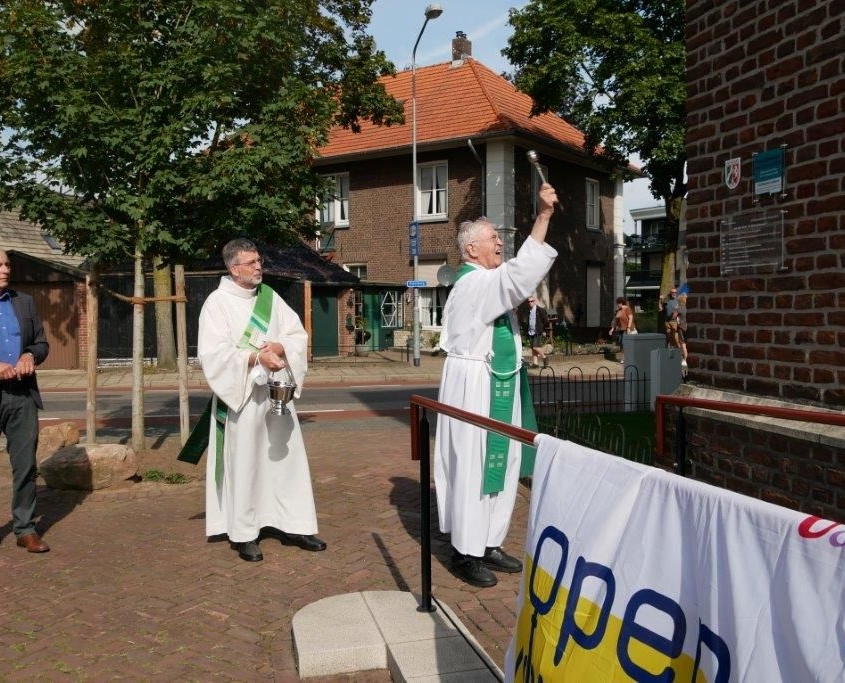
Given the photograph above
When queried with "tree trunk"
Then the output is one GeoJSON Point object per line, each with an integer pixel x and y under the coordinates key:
{"type": "Point", "coordinates": [182, 345]}
{"type": "Point", "coordinates": [165, 346]}
{"type": "Point", "coordinates": [138, 356]}
{"type": "Point", "coordinates": [92, 315]}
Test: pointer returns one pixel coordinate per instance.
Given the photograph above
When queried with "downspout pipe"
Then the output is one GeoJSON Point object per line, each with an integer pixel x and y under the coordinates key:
{"type": "Point", "coordinates": [483, 177]}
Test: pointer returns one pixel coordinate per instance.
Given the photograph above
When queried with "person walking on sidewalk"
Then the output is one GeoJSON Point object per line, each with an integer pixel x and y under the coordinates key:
{"type": "Point", "coordinates": [257, 473]}
{"type": "Point", "coordinates": [23, 346]}
{"type": "Point", "coordinates": [477, 472]}
{"type": "Point", "coordinates": [537, 322]}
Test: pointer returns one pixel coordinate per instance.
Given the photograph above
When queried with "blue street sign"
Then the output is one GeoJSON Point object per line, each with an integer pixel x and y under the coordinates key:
{"type": "Point", "coordinates": [416, 283]}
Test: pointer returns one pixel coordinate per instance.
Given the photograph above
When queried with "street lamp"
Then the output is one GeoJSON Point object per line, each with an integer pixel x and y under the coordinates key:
{"type": "Point", "coordinates": [431, 12]}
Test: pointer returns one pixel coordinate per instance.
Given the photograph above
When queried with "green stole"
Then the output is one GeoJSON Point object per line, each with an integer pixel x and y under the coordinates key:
{"type": "Point", "coordinates": [197, 441]}
{"type": "Point", "coordinates": [503, 381]}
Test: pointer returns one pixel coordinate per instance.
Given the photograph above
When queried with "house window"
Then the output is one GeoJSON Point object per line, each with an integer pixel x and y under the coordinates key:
{"type": "Point", "coordinates": [359, 270]}
{"type": "Point", "coordinates": [432, 193]}
{"type": "Point", "coordinates": [392, 311]}
{"type": "Point", "coordinates": [334, 209]}
{"type": "Point", "coordinates": [432, 301]}
{"type": "Point", "coordinates": [592, 207]}
{"type": "Point", "coordinates": [535, 186]}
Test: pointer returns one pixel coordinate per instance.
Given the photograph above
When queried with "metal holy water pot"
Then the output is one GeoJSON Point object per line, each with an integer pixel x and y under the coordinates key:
{"type": "Point", "coordinates": [281, 392]}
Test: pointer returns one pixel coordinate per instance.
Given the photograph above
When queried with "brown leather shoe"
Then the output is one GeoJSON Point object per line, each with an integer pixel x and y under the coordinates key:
{"type": "Point", "coordinates": [33, 543]}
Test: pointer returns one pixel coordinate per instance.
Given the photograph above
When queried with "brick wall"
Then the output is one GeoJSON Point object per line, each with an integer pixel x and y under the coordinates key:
{"type": "Point", "coordinates": [796, 473]}
{"type": "Point", "coordinates": [760, 75]}
{"type": "Point", "coordinates": [380, 209]}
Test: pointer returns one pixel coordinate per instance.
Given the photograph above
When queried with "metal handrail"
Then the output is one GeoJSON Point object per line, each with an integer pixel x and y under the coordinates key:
{"type": "Point", "coordinates": [660, 401]}
{"type": "Point", "coordinates": [420, 451]}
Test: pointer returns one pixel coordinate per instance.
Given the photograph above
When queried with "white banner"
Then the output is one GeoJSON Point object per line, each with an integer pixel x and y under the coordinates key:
{"type": "Point", "coordinates": [635, 574]}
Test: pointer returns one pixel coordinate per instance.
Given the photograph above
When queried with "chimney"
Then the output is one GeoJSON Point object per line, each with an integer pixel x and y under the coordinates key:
{"type": "Point", "coordinates": [461, 46]}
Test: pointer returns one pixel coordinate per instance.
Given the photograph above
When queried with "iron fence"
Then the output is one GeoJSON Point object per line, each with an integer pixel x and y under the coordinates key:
{"type": "Point", "coordinates": [601, 411]}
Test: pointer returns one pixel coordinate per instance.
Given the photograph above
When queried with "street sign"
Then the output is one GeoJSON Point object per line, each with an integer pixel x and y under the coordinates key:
{"type": "Point", "coordinates": [416, 283]}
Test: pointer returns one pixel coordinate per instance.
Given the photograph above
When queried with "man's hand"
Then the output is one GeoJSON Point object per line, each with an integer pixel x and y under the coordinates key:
{"type": "Point", "coordinates": [548, 199]}
{"type": "Point", "coordinates": [8, 371]}
{"type": "Point", "coordinates": [25, 365]}
{"type": "Point", "coordinates": [272, 356]}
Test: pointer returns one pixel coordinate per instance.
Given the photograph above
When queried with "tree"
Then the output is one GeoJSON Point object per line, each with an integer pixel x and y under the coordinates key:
{"type": "Point", "coordinates": [616, 70]}
{"type": "Point", "coordinates": [162, 128]}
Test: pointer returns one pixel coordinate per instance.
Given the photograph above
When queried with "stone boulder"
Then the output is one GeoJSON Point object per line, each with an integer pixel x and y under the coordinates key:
{"type": "Point", "coordinates": [89, 468]}
{"type": "Point", "coordinates": [54, 438]}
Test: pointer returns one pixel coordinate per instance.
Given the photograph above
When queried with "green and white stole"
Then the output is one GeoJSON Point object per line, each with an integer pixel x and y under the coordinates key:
{"type": "Point", "coordinates": [256, 328]}
{"type": "Point", "coordinates": [197, 442]}
{"type": "Point", "coordinates": [503, 380]}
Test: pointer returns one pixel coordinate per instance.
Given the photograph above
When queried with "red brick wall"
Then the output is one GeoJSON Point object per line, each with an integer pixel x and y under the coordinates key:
{"type": "Point", "coordinates": [795, 473]}
{"type": "Point", "coordinates": [380, 209]}
{"type": "Point", "coordinates": [763, 74]}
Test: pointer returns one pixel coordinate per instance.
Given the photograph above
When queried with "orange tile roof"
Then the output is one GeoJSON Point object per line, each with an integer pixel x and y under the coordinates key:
{"type": "Point", "coordinates": [453, 103]}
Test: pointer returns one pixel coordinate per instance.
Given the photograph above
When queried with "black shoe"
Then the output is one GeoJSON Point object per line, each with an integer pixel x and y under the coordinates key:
{"type": "Point", "coordinates": [250, 551]}
{"type": "Point", "coordinates": [472, 570]}
{"type": "Point", "coordinates": [498, 560]}
{"type": "Point", "coordinates": [306, 542]}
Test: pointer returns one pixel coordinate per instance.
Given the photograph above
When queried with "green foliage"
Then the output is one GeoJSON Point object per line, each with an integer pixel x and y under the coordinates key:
{"type": "Point", "coordinates": [169, 127]}
{"type": "Point", "coordinates": [158, 475]}
{"type": "Point", "coordinates": [153, 475]}
{"type": "Point", "coordinates": [616, 70]}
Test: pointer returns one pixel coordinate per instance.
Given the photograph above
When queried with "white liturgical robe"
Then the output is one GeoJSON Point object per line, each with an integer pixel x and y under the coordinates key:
{"type": "Point", "coordinates": [476, 520]}
{"type": "Point", "coordinates": [266, 480]}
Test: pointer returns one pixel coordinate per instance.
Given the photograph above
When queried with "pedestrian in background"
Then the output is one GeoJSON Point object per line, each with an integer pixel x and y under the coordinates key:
{"type": "Point", "coordinates": [682, 329]}
{"type": "Point", "coordinates": [670, 313]}
{"type": "Point", "coordinates": [23, 346]}
{"type": "Point", "coordinates": [623, 322]}
{"type": "Point", "coordinates": [536, 323]}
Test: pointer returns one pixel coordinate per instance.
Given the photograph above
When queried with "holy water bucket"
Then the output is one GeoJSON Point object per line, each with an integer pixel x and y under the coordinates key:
{"type": "Point", "coordinates": [281, 393]}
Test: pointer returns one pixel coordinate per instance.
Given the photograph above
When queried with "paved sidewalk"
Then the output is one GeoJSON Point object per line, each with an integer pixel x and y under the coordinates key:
{"type": "Point", "coordinates": [131, 588]}
{"type": "Point", "coordinates": [379, 367]}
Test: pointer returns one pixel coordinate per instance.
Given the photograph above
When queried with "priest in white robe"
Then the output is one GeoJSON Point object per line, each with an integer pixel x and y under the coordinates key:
{"type": "Point", "coordinates": [257, 474]}
{"type": "Point", "coordinates": [479, 324]}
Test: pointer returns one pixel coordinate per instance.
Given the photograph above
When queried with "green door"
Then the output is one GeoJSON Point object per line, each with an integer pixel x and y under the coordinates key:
{"type": "Point", "coordinates": [323, 322]}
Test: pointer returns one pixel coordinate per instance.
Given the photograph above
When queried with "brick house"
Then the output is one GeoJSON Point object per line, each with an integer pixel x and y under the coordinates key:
{"type": "Point", "coordinates": [473, 131]}
{"type": "Point", "coordinates": [766, 244]}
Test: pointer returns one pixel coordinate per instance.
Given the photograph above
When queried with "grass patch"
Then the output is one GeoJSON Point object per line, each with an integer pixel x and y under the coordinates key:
{"type": "Point", "coordinates": [158, 475]}
{"type": "Point", "coordinates": [629, 435]}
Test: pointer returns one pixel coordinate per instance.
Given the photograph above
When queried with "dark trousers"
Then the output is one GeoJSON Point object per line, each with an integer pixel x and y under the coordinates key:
{"type": "Point", "coordinates": [19, 422]}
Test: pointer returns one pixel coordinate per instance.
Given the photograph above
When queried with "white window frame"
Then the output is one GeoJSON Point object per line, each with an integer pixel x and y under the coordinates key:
{"type": "Point", "coordinates": [432, 303]}
{"type": "Point", "coordinates": [433, 196]}
{"type": "Point", "coordinates": [592, 204]}
{"type": "Point", "coordinates": [359, 270]}
{"type": "Point", "coordinates": [334, 208]}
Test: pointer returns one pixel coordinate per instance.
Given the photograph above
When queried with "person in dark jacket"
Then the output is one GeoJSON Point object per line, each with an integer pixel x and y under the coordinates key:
{"type": "Point", "coordinates": [536, 322]}
{"type": "Point", "coordinates": [23, 346]}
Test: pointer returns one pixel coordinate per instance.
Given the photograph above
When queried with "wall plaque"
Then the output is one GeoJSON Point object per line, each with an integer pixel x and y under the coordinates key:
{"type": "Point", "coordinates": [769, 175]}
{"type": "Point", "coordinates": [752, 242]}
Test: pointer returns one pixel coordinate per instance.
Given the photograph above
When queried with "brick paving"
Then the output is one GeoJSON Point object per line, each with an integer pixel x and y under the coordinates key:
{"type": "Point", "coordinates": [133, 590]}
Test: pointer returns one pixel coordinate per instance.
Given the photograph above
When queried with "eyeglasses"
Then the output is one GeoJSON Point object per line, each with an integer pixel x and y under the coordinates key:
{"type": "Point", "coordinates": [492, 238]}
{"type": "Point", "coordinates": [256, 261]}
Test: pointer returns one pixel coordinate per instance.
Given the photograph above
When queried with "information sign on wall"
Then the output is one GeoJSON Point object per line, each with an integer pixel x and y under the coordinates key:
{"type": "Point", "coordinates": [752, 241]}
{"type": "Point", "coordinates": [769, 172]}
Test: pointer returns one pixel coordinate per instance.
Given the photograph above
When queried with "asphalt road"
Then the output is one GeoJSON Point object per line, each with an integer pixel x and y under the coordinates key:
{"type": "Point", "coordinates": [163, 404]}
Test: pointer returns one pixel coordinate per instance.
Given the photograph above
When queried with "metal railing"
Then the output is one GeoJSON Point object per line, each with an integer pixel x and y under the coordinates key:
{"type": "Point", "coordinates": [662, 400]}
{"type": "Point", "coordinates": [602, 392]}
{"type": "Point", "coordinates": [420, 441]}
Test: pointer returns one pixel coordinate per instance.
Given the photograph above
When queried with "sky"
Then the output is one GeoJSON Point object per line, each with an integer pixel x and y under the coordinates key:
{"type": "Point", "coordinates": [396, 24]}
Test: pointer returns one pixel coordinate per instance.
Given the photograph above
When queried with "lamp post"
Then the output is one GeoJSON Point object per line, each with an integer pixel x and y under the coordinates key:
{"type": "Point", "coordinates": [431, 12]}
